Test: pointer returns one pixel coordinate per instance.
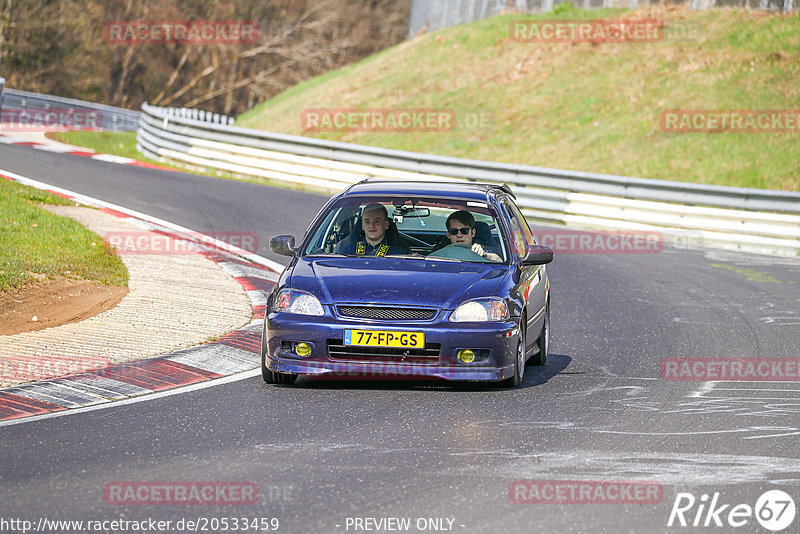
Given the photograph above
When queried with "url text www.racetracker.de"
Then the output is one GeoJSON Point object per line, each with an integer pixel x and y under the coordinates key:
{"type": "Point", "coordinates": [44, 525]}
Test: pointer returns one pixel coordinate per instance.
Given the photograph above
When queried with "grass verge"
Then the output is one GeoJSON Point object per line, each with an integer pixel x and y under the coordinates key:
{"type": "Point", "coordinates": [40, 245]}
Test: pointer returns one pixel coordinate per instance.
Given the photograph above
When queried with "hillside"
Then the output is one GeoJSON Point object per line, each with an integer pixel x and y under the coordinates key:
{"type": "Point", "coordinates": [579, 105]}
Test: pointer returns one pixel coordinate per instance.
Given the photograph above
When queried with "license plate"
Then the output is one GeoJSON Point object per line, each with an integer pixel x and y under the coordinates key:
{"type": "Point", "coordinates": [381, 338]}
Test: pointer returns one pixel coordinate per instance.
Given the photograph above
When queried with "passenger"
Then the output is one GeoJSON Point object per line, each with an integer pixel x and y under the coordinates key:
{"type": "Point", "coordinates": [373, 240]}
{"type": "Point", "coordinates": [461, 230]}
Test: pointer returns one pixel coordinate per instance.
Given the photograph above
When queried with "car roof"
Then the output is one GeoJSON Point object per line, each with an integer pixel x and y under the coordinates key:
{"type": "Point", "coordinates": [448, 189]}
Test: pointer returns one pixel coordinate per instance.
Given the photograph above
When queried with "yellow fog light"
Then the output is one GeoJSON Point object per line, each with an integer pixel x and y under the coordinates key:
{"type": "Point", "coordinates": [302, 349]}
{"type": "Point", "coordinates": [466, 356]}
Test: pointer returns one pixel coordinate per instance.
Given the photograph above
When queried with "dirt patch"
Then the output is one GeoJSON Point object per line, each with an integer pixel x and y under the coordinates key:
{"type": "Point", "coordinates": [53, 303]}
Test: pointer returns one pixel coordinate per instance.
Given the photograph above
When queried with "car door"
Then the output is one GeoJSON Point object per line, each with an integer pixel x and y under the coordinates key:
{"type": "Point", "coordinates": [532, 279]}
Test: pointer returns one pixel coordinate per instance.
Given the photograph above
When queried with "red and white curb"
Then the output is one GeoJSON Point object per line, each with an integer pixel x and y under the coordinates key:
{"type": "Point", "coordinates": [233, 353]}
{"type": "Point", "coordinates": [61, 148]}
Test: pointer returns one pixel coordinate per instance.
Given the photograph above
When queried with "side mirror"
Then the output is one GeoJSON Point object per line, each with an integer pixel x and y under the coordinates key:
{"type": "Point", "coordinates": [538, 255]}
{"type": "Point", "coordinates": [282, 244]}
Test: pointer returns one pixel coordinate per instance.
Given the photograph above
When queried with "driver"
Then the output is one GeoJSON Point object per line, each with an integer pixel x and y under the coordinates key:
{"type": "Point", "coordinates": [373, 241]}
{"type": "Point", "coordinates": [461, 230]}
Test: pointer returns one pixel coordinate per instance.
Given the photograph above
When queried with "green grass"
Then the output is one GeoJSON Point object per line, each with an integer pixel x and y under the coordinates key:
{"type": "Point", "coordinates": [116, 143]}
{"type": "Point", "coordinates": [39, 245]}
{"type": "Point", "coordinates": [580, 106]}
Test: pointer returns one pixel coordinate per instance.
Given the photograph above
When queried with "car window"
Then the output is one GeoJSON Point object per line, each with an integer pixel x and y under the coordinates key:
{"type": "Point", "coordinates": [418, 223]}
{"type": "Point", "coordinates": [520, 231]}
{"type": "Point", "coordinates": [526, 229]}
{"type": "Point", "coordinates": [336, 225]}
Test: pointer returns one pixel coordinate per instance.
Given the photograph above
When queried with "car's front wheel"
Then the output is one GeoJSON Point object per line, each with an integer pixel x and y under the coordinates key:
{"type": "Point", "coordinates": [543, 343]}
{"type": "Point", "coordinates": [519, 360]}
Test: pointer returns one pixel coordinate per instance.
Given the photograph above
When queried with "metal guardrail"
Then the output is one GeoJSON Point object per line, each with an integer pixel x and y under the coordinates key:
{"type": "Point", "coordinates": [2, 94]}
{"type": "Point", "coordinates": [702, 214]}
{"type": "Point", "coordinates": [110, 118]}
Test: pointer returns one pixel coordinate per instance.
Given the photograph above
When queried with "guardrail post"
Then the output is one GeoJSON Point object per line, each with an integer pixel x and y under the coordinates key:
{"type": "Point", "coordinates": [2, 84]}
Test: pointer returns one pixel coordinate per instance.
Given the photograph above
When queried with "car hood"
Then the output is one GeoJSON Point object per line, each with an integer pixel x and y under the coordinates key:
{"type": "Point", "coordinates": [400, 281]}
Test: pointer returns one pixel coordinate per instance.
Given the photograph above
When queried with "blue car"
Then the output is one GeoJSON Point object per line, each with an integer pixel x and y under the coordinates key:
{"type": "Point", "coordinates": [401, 279]}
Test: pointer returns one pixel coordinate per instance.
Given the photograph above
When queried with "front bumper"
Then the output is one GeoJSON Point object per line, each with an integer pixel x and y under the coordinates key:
{"type": "Point", "coordinates": [496, 343]}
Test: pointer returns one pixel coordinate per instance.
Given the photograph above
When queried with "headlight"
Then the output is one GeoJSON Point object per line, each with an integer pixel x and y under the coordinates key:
{"type": "Point", "coordinates": [294, 301]}
{"type": "Point", "coordinates": [481, 310]}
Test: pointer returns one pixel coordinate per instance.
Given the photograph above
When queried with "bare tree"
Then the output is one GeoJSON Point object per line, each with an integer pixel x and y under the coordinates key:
{"type": "Point", "coordinates": [5, 19]}
{"type": "Point", "coordinates": [60, 48]}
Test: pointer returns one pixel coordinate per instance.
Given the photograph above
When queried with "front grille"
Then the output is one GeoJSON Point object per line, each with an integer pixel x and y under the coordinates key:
{"type": "Point", "coordinates": [337, 350]}
{"type": "Point", "coordinates": [387, 313]}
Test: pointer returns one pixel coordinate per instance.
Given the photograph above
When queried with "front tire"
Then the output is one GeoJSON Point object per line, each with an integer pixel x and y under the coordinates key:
{"type": "Point", "coordinates": [519, 360]}
{"type": "Point", "coordinates": [544, 340]}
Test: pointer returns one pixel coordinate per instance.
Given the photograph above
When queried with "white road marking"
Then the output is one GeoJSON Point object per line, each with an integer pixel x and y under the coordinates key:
{"type": "Point", "coordinates": [143, 398]}
{"type": "Point", "coordinates": [55, 148]}
{"type": "Point", "coordinates": [113, 159]}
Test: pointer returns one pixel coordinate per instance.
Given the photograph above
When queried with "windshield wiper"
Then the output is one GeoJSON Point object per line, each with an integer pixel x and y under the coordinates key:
{"type": "Point", "coordinates": [439, 258]}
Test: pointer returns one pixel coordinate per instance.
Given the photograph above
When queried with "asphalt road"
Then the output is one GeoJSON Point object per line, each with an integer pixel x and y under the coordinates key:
{"type": "Point", "coordinates": [325, 454]}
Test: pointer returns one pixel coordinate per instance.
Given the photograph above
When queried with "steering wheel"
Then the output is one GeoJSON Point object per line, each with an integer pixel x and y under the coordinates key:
{"type": "Point", "coordinates": [457, 252]}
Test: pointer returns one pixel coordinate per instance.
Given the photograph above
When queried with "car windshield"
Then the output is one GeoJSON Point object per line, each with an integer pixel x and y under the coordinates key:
{"type": "Point", "coordinates": [409, 226]}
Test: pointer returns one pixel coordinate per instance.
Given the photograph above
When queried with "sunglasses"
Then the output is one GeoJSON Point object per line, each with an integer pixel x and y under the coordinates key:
{"type": "Point", "coordinates": [464, 230]}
